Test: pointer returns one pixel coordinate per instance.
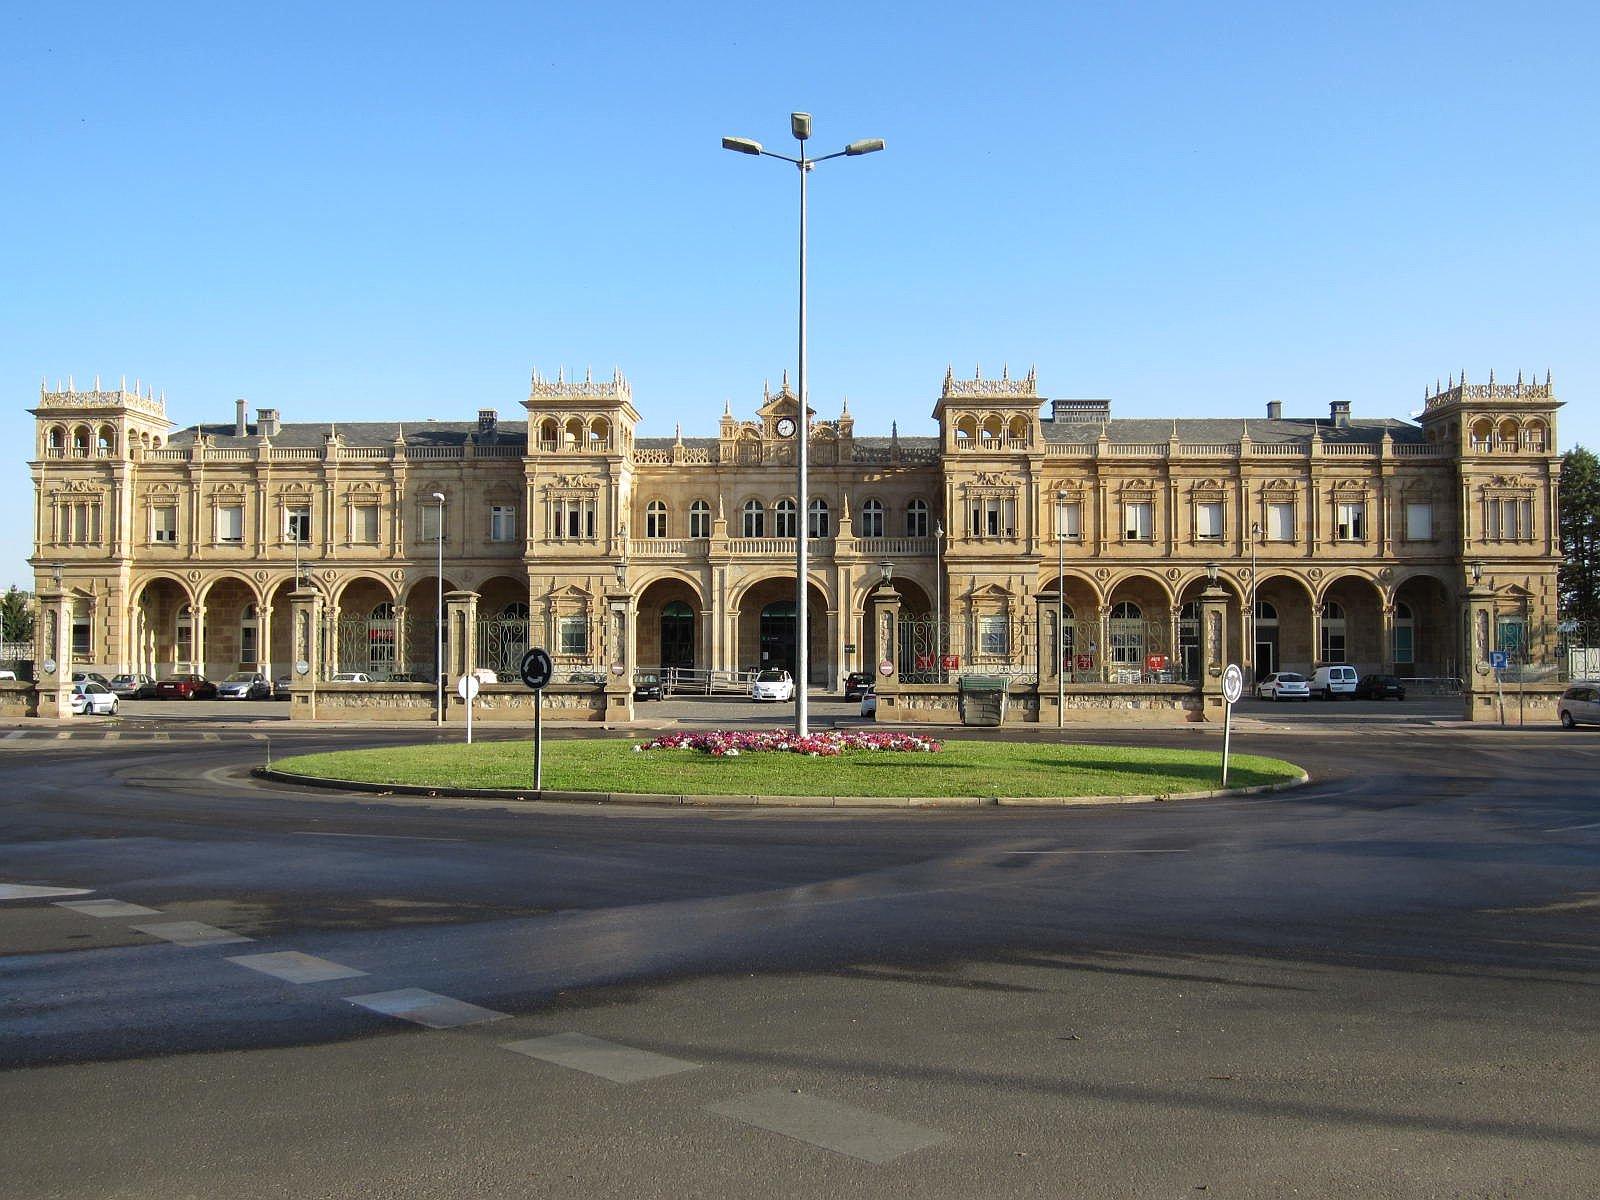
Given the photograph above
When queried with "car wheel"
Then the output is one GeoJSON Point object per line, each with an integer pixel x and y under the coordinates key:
{"type": "Point", "coordinates": [112, 711]}
{"type": "Point", "coordinates": [1567, 722]}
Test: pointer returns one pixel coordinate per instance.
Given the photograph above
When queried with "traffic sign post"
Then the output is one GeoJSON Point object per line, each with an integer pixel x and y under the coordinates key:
{"type": "Point", "coordinates": [536, 670]}
{"type": "Point", "coordinates": [1232, 689]}
{"type": "Point", "coordinates": [467, 688]}
{"type": "Point", "coordinates": [1500, 660]}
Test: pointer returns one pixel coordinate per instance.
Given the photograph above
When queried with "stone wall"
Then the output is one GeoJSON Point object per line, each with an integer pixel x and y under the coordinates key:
{"type": "Point", "coordinates": [940, 704]}
{"type": "Point", "coordinates": [17, 699]}
{"type": "Point", "coordinates": [415, 702]}
{"type": "Point", "coordinates": [1525, 704]}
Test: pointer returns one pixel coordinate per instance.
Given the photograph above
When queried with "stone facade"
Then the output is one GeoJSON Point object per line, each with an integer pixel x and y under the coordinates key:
{"type": "Point", "coordinates": [179, 549]}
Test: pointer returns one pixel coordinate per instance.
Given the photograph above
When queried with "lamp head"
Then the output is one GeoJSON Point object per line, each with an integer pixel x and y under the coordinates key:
{"type": "Point", "coordinates": [55, 574]}
{"type": "Point", "coordinates": [1477, 572]}
{"type": "Point", "coordinates": [865, 146]}
{"type": "Point", "coordinates": [1255, 529]}
{"type": "Point", "coordinates": [888, 570]}
{"type": "Point", "coordinates": [1212, 570]}
{"type": "Point", "coordinates": [800, 126]}
{"type": "Point", "coordinates": [622, 574]}
{"type": "Point", "coordinates": [742, 145]}
{"type": "Point", "coordinates": [439, 496]}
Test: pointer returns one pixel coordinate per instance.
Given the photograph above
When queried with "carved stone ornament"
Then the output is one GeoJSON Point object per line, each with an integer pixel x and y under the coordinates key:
{"type": "Point", "coordinates": [1314, 574]}
{"type": "Point", "coordinates": [329, 576]}
{"type": "Point", "coordinates": [397, 575]}
{"type": "Point", "coordinates": [194, 576]}
{"type": "Point", "coordinates": [994, 479]}
{"type": "Point", "coordinates": [1173, 573]}
{"type": "Point", "coordinates": [1102, 574]}
{"type": "Point", "coordinates": [259, 576]}
{"type": "Point", "coordinates": [1386, 573]}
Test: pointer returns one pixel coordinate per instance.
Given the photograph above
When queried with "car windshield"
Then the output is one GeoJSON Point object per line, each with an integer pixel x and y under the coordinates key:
{"type": "Point", "coordinates": [645, 677]}
{"type": "Point", "coordinates": [770, 677]}
{"type": "Point", "coordinates": [239, 677]}
{"type": "Point", "coordinates": [1286, 677]}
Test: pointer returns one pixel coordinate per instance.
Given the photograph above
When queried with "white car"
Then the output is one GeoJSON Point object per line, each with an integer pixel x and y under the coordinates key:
{"type": "Point", "coordinates": [869, 704]}
{"type": "Point", "coordinates": [772, 684]}
{"type": "Point", "coordinates": [1284, 685]}
{"type": "Point", "coordinates": [94, 698]}
{"type": "Point", "coordinates": [1329, 682]}
{"type": "Point", "coordinates": [351, 677]}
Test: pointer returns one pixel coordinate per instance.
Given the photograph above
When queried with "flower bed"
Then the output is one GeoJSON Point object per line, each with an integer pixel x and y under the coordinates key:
{"type": "Point", "coordinates": [729, 743]}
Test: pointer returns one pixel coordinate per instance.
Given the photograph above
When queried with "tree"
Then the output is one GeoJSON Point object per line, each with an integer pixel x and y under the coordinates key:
{"type": "Point", "coordinates": [16, 622]}
{"type": "Point", "coordinates": [1579, 582]}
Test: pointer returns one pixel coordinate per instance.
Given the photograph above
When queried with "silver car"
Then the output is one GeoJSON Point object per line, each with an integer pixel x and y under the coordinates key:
{"type": "Point", "coordinates": [1284, 685]}
{"type": "Point", "coordinates": [1579, 705]}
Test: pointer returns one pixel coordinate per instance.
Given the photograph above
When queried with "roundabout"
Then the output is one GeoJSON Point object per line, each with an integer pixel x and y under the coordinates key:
{"type": "Point", "coordinates": [859, 769]}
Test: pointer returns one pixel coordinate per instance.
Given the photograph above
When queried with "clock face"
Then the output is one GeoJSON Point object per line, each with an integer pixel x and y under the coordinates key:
{"type": "Point", "coordinates": [785, 426]}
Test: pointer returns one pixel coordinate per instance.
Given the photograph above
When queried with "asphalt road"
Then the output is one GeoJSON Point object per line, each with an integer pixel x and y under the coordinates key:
{"type": "Point", "coordinates": [1380, 985]}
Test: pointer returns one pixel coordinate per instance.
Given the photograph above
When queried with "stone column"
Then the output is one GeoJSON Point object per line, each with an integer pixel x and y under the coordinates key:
{"type": "Point", "coordinates": [264, 640]}
{"type": "Point", "coordinates": [330, 645]}
{"type": "Point", "coordinates": [402, 665]}
{"type": "Point", "coordinates": [1102, 658]}
{"type": "Point", "coordinates": [1477, 677]}
{"type": "Point", "coordinates": [1213, 648]}
{"type": "Point", "coordinates": [52, 655]}
{"type": "Point", "coordinates": [461, 643]}
{"type": "Point", "coordinates": [1047, 653]}
{"type": "Point", "coordinates": [197, 640]}
{"type": "Point", "coordinates": [1316, 635]}
{"type": "Point", "coordinates": [305, 651]}
{"type": "Point", "coordinates": [1386, 651]}
{"type": "Point", "coordinates": [884, 606]}
{"type": "Point", "coordinates": [621, 647]}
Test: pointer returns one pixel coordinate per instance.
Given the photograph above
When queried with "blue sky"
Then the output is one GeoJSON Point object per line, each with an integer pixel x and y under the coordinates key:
{"type": "Point", "coordinates": [394, 210]}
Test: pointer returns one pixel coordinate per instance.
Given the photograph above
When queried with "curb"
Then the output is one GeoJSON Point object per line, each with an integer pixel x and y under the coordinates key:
{"type": "Point", "coordinates": [735, 801]}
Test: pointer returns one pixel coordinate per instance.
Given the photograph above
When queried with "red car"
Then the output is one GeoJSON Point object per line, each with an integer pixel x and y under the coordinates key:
{"type": "Point", "coordinates": [186, 687]}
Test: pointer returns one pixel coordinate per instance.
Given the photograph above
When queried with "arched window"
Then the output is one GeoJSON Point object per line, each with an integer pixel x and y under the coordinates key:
{"type": "Point", "coordinates": [818, 519]}
{"type": "Point", "coordinates": [574, 434]}
{"type": "Point", "coordinates": [57, 438]}
{"type": "Point", "coordinates": [966, 432]}
{"type": "Point", "coordinates": [699, 519]}
{"type": "Point", "coordinates": [917, 519]}
{"type": "Point", "coordinates": [1266, 612]}
{"type": "Point", "coordinates": [1127, 635]}
{"type": "Point", "coordinates": [106, 440]}
{"type": "Point", "coordinates": [183, 640]}
{"type": "Point", "coordinates": [755, 520]}
{"type": "Point", "coordinates": [1533, 436]}
{"type": "Point", "coordinates": [655, 519]}
{"type": "Point", "coordinates": [1405, 636]}
{"type": "Point", "coordinates": [249, 641]}
{"type": "Point", "coordinates": [1333, 631]}
{"type": "Point", "coordinates": [1509, 435]}
{"type": "Point", "coordinates": [156, 442]}
{"type": "Point", "coordinates": [549, 434]}
{"type": "Point", "coordinates": [1018, 430]}
{"type": "Point", "coordinates": [80, 441]}
{"type": "Point", "coordinates": [599, 433]}
{"type": "Point", "coordinates": [1482, 431]}
{"type": "Point", "coordinates": [515, 611]}
{"type": "Point", "coordinates": [992, 432]}
{"type": "Point", "coordinates": [783, 519]}
{"type": "Point", "coordinates": [872, 519]}
{"type": "Point", "coordinates": [382, 612]}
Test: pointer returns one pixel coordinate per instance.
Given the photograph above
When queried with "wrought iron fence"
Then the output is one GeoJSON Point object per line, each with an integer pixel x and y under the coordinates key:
{"type": "Point", "coordinates": [368, 645]}
{"type": "Point", "coordinates": [502, 641]}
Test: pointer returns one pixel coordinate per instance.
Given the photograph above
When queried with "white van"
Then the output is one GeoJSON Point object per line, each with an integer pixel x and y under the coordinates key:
{"type": "Point", "coordinates": [1329, 682]}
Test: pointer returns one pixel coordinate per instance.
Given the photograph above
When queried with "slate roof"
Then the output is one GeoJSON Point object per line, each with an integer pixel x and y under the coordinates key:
{"type": "Point", "coordinates": [1230, 429]}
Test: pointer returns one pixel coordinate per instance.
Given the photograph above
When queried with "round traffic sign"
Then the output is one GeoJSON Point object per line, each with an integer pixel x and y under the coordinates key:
{"type": "Point", "coordinates": [886, 667]}
{"type": "Point", "coordinates": [536, 668]}
{"type": "Point", "coordinates": [1232, 684]}
{"type": "Point", "coordinates": [301, 667]}
{"type": "Point", "coordinates": [467, 687]}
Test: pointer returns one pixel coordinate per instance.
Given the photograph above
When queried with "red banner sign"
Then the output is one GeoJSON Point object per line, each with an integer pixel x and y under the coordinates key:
{"type": "Point", "coordinates": [1156, 662]}
{"type": "Point", "coordinates": [1085, 662]}
{"type": "Point", "coordinates": [951, 662]}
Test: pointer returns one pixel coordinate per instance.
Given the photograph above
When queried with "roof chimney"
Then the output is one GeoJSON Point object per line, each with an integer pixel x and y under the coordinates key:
{"type": "Point", "coordinates": [1274, 410]}
{"type": "Point", "coordinates": [487, 418]}
{"type": "Point", "coordinates": [267, 422]}
{"type": "Point", "coordinates": [239, 428]}
{"type": "Point", "coordinates": [1339, 414]}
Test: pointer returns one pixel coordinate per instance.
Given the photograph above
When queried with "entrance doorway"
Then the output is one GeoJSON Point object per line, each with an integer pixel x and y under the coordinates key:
{"type": "Point", "coordinates": [677, 636]}
{"type": "Point", "coordinates": [1266, 633]}
{"type": "Point", "coordinates": [778, 635]}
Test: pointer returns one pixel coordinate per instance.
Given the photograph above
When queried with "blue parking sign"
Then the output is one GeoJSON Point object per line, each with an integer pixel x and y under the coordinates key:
{"type": "Point", "coordinates": [1499, 659]}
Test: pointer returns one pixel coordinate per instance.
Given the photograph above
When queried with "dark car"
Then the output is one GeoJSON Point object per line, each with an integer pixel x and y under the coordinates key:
{"type": "Point", "coordinates": [646, 685]}
{"type": "Point", "coordinates": [1379, 687]}
{"type": "Point", "coordinates": [856, 685]}
{"type": "Point", "coordinates": [186, 687]}
{"type": "Point", "coordinates": [280, 687]}
{"type": "Point", "coordinates": [133, 687]}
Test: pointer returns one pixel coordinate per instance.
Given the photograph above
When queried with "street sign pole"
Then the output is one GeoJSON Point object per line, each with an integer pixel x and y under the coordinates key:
{"type": "Point", "coordinates": [536, 670]}
{"type": "Point", "coordinates": [1232, 689]}
{"type": "Point", "coordinates": [538, 741]}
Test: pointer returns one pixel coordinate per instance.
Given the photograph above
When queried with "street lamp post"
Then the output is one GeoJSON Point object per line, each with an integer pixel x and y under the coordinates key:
{"type": "Point", "coordinates": [1061, 570]}
{"type": "Point", "coordinates": [1255, 666]}
{"type": "Point", "coordinates": [800, 126]}
{"type": "Point", "coordinates": [938, 596]}
{"type": "Point", "coordinates": [438, 621]}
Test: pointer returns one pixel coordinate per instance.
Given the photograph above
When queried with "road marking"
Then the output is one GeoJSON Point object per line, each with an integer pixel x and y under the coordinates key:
{"type": "Point", "coordinates": [63, 735]}
{"type": "Point", "coordinates": [580, 1052]}
{"type": "Point", "coordinates": [829, 1124]}
{"type": "Point", "coordinates": [28, 891]}
{"type": "Point", "coordinates": [191, 933]}
{"type": "Point", "coordinates": [1567, 828]}
{"type": "Point", "coordinates": [161, 737]}
{"type": "Point", "coordinates": [258, 737]}
{"type": "Point", "coordinates": [108, 908]}
{"type": "Point", "coordinates": [15, 734]}
{"type": "Point", "coordinates": [113, 736]}
{"type": "Point", "coordinates": [1183, 851]}
{"type": "Point", "coordinates": [426, 1008]}
{"type": "Point", "coordinates": [295, 967]}
{"type": "Point", "coordinates": [383, 837]}
{"type": "Point", "coordinates": [210, 737]}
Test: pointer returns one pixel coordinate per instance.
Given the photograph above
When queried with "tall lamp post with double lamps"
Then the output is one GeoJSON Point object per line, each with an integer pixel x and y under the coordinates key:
{"type": "Point", "coordinates": [438, 621]}
{"type": "Point", "coordinates": [800, 126]}
{"type": "Point", "coordinates": [1061, 610]}
{"type": "Point", "coordinates": [1255, 649]}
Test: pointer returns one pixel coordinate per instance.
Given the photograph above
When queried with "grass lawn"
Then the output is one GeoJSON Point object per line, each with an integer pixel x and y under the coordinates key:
{"type": "Point", "coordinates": [962, 768]}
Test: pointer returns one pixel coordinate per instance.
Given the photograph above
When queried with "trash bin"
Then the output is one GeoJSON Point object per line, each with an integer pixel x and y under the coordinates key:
{"type": "Point", "coordinates": [983, 699]}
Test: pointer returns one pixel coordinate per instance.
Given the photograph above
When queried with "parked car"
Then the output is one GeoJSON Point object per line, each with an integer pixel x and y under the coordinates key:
{"type": "Point", "coordinates": [350, 677]}
{"type": "Point", "coordinates": [856, 685]}
{"type": "Point", "coordinates": [90, 677]}
{"type": "Point", "coordinates": [186, 687]}
{"type": "Point", "coordinates": [772, 684]}
{"type": "Point", "coordinates": [1579, 705]}
{"type": "Point", "coordinates": [133, 687]}
{"type": "Point", "coordinates": [646, 685]}
{"type": "Point", "coordinates": [94, 698]}
{"type": "Point", "coordinates": [585, 675]}
{"type": "Point", "coordinates": [1380, 687]}
{"type": "Point", "coordinates": [280, 687]}
{"type": "Point", "coordinates": [869, 702]}
{"type": "Point", "coordinates": [7, 673]}
{"type": "Point", "coordinates": [1284, 685]}
{"type": "Point", "coordinates": [244, 685]}
{"type": "Point", "coordinates": [1328, 682]}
